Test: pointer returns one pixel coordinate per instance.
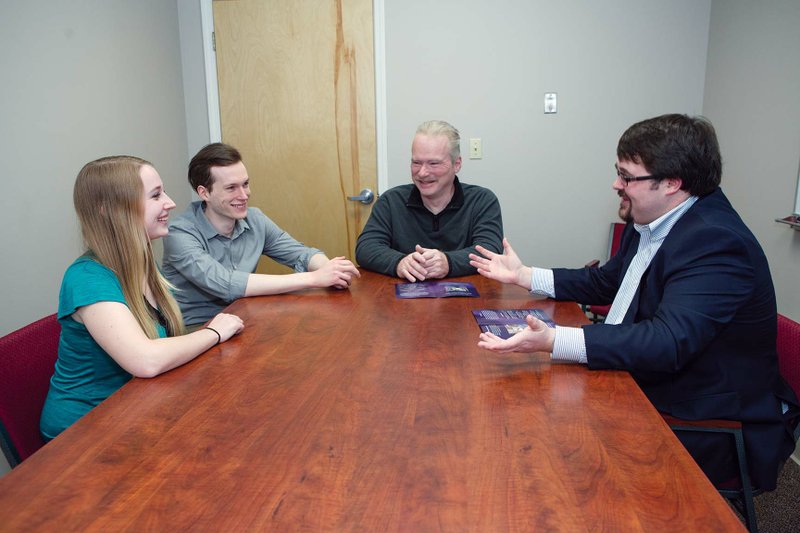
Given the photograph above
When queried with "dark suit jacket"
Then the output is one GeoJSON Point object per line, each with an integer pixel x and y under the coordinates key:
{"type": "Point", "coordinates": [699, 336]}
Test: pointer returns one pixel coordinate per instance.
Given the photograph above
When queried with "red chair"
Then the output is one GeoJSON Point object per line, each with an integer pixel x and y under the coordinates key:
{"type": "Point", "coordinates": [27, 360]}
{"type": "Point", "coordinates": [741, 492]}
{"type": "Point", "coordinates": [788, 346]}
{"type": "Point", "coordinates": [599, 312]}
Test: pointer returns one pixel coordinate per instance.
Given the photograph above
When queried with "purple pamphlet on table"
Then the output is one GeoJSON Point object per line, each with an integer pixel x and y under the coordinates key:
{"type": "Point", "coordinates": [507, 322]}
{"type": "Point", "coordinates": [435, 289]}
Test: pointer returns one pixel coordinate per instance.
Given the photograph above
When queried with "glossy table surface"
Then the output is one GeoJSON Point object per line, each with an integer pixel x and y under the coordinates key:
{"type": "Point", "coordinates": [355, 410]}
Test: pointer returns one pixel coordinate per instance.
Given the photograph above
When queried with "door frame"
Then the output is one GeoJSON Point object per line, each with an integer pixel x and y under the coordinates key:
{"type": "Point", "coordinates": [379, 53]}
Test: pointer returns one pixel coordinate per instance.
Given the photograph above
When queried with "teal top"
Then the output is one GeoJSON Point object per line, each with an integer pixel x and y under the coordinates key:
{"type": "Point", "coordinates": [85, 374]}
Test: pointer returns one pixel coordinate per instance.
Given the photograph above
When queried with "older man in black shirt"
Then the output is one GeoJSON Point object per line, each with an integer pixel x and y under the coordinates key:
{"type": "Point", "coordinates": [426, 230]}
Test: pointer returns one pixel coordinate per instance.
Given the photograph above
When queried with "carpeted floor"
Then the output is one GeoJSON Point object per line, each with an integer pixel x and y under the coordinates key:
{"type": "Point", "coordinates": [779, 511]}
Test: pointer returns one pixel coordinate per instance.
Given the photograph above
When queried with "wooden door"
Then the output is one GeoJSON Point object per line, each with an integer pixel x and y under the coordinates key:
{"type": "Point", "coordinates": [297, 98]}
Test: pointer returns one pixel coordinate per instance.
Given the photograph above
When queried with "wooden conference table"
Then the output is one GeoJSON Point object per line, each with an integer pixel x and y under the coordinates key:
{"type": "Point", "coordinates": [354, 410]}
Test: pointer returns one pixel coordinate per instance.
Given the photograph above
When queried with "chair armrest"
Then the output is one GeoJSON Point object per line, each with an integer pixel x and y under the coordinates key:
{"type": "Point", "coordinates": [708, 423]}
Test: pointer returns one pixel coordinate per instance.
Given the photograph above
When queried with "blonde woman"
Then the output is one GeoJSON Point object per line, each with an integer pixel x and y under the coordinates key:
{"type": "Point", "coordinates": [118, 317]}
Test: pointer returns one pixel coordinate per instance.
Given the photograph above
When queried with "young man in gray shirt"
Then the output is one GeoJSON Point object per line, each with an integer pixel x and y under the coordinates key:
{"type": "Point", "coordinates": [213, 248]}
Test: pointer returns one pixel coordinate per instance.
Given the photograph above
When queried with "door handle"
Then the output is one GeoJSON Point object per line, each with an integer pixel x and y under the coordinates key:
{"type": "Point", "coordinates": [366, 197]}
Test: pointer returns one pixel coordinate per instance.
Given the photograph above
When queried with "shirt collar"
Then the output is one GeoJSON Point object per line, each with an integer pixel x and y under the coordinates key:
{"type": "Point", "coordinates": [208, 231]}
{"type": "Point", "coordinates": [415, 198]}
{"type": "Point", "coordinates": [660, 227]}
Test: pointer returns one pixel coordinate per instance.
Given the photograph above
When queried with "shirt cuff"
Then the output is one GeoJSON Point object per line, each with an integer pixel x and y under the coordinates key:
{"type": "Point", "coordinates": [239, 281]}
{"type": "Point", "coordinates": [302, 263]}
{"type": "Point", "coordinates": [542, 282]}
{"type": "Point", "coordinates": [569, 344]}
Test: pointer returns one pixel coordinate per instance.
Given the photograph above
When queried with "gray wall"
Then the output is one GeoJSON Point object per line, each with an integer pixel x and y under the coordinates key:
{"type": "Point", "coordinates": [81, 80]}
{"type": "Point", "coordinates": [485, 66]}
{"type": "Point", "coordinates": [753, 97]}
{"type": "Point", "coordinates": [194, 78]}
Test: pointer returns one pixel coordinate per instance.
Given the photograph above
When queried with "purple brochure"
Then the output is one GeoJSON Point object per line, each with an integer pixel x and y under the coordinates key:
{"type": "Point", "coordinates": [507, 322]}
{"type": "Point", "coordinates": [435, 289]}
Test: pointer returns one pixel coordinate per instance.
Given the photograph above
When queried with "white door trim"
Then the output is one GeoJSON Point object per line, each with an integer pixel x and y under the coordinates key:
{"type": "Point", "coordinates": [379, 52]}
{"type": "Point", "coordinates": [210, 60]}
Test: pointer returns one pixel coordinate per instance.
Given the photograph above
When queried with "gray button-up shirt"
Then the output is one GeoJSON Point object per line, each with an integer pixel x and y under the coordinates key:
{"type": "Point", "coordinates": [211, 270]}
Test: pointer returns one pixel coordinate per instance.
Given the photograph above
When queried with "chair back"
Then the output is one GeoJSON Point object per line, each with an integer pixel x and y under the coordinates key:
{"type": "Point", "coordinates": [27, 361]}
{"type": "Point", "coordinates": [599, 312]}
{"type": "Point", "coordinates": [615, 238]}
{"type": "Point", "coordinates": [788, 346]}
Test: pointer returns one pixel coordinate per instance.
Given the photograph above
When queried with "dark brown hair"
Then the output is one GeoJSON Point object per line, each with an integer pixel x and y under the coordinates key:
{"type": "Point", "coordinates": [212, 155]}
{"type": "Point", "coordinates": [676, 146]}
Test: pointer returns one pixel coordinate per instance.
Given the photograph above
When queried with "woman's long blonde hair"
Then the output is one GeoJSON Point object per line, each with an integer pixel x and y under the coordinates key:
{"type": "Point", "coordinates": [109, 200]}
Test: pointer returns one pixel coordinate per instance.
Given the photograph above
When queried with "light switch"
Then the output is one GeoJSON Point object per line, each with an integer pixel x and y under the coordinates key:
{"type": "Point", "coordinates": [550, 103]}
{"type": "Point", "coordinates": [475, 149]}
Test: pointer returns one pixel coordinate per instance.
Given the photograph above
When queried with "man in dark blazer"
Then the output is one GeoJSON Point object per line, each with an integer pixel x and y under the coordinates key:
{"type": "Point", "coordinates": [693, 315]}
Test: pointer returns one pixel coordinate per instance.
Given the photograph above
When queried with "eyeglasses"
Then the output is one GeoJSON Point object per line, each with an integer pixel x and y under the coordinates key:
{"type": "Point", "coordinates": [627, 179]}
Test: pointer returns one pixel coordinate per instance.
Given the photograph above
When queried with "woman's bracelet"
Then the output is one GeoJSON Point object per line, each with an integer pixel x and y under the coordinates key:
{"type": "Point", "coordinates": [219, 337]}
